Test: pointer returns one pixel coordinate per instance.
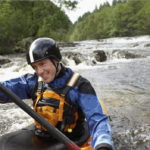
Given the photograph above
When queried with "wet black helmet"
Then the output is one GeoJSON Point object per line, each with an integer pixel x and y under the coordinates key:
{"type": "Point", "coordinates": [42, 48]}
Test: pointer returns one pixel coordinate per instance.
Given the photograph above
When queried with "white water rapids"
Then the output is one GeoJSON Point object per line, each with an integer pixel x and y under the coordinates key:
{"type": "Point", "coordinates": [122, 81]}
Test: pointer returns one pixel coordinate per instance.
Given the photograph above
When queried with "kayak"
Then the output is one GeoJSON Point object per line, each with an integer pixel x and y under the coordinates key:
{"type": "Point", "coordinates": [25, 139]}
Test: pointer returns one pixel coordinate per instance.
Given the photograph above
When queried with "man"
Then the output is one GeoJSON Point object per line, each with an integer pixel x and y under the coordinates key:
{"type": "Point", "coordinates": [54, 89]}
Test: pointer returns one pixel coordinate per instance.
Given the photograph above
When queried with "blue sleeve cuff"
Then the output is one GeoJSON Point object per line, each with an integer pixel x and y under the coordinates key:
{"type": "Point", "coordinates": [104, 138]}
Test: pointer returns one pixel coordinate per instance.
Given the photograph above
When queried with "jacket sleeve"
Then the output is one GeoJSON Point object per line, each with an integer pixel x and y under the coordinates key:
{"type": "Point", "coordinates": [97, 121]}
{"type": "Point", "coordinates": [22, 86]}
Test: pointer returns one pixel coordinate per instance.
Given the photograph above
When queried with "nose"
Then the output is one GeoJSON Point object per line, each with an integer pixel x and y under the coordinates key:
{"type": "Point", "coordinates": [39, 70]}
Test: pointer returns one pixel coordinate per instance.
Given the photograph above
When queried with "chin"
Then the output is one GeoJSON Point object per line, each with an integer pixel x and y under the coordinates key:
{"type": "Point", "coordinates": [47, 81]}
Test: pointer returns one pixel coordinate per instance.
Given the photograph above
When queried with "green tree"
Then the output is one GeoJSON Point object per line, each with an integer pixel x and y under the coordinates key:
{"type": "Point", "coordinates": [123, 18]}
{"type": "Point", "coordinates": [21, 19]}
{"type": "Point", "coordinates": [70, 4]}
{"type": "Point", "coordinates": [143, 20]}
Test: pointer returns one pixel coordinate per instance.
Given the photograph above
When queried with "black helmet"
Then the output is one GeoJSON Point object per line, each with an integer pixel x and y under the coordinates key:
{"type": "Point", "coordinates": [42, 48]}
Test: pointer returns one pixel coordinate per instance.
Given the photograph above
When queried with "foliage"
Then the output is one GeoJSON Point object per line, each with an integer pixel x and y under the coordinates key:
{"type": "Point", "coordinates": [70, 4]}
{"type": "Point", "coordinates": [122, 18]}
{"type": "Point", "coordinates": [26, 20]}
{"type": "Point", "coordinates": [22, 19]}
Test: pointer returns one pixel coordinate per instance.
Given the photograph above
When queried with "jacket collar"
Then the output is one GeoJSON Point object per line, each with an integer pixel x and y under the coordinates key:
{"type": "Point", "coordinates": [61, 80]}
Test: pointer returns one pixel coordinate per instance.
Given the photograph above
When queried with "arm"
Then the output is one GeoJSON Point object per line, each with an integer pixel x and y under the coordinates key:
{"type": "Point", "coordinates": [21, 86]}
{"type": "Point", "coordinates": [98, 122]}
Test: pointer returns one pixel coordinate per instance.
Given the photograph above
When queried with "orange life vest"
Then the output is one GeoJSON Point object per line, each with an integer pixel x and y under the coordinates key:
{"type": "Point", "coordinates": [53, 106]}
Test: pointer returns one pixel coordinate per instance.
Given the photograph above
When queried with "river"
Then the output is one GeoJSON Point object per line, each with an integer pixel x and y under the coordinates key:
{"type": "Point", "coordinates": [122, 81]}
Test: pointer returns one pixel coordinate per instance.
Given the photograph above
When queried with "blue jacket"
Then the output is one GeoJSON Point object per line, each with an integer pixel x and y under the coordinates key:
{"type": "Point", "coordinates": [82, 95]}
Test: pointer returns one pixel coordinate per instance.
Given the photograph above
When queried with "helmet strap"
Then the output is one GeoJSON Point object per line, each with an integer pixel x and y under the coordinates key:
{"type": "Point", "coordinates": [56, 65]}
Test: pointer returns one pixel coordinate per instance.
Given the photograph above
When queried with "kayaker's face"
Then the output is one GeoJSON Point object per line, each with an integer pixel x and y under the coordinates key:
{"type": "Point", "coordinates": [45, 69]}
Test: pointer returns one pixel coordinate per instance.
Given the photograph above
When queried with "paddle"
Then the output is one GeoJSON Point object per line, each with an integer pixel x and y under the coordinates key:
{"type": "Point", "coordinates": [50, 128]}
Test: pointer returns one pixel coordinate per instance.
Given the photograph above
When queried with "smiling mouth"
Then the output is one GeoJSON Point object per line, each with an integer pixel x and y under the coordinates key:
{"type": "Point", "coordinates": [44, 78]}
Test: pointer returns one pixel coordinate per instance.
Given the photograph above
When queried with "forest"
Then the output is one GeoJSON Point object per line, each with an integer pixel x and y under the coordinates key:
{"type": "Point", "coordinates": [122, 18]}
{"type": "Point", "coordinates": [23, 21]}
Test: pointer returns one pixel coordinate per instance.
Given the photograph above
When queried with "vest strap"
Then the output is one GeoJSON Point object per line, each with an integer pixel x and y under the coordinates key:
{"type": "Point", "coordinates": [75, 76]}
{"type": "Point", "coordinates": [71, 83]}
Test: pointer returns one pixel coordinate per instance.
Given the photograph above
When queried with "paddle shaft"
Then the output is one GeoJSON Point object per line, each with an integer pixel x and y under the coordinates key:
{"type": "Point", "coordinates": [50, 128]}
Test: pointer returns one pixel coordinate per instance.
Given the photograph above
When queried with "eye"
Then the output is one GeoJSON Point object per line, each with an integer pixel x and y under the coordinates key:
{"type": "Point", "coordinates": [41, 64]}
